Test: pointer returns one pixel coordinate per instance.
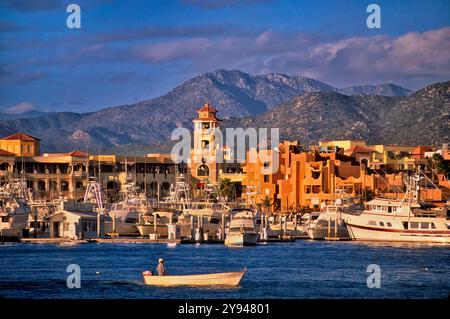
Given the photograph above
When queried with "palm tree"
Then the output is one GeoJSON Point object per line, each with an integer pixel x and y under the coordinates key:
{"type": "Point", "coordinates": [267, 203]}
{"type": "Point", "coordinates": [226, 188]}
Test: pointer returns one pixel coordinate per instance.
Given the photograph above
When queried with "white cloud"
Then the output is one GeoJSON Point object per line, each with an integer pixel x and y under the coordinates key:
{"type": "Point", "coordinates": [413, 59]}
{"type": "Point", "coordinates": [20, 108]}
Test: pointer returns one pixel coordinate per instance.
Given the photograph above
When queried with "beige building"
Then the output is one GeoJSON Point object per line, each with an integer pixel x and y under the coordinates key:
{"type": "Point", "coordinates": [51, 175]}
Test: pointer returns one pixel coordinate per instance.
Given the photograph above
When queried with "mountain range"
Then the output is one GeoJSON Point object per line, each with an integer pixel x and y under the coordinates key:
{"type": "Point", "coordinates": [303, 108]}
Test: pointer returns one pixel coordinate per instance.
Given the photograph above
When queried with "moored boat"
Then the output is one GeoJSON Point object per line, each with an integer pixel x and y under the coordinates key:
{"type": "Point", "coordinates": [242, 230]}
{"type": "Point", "coordinates": [14, 212]}
{"type": "Point", "coordinates": [328, 223]}
{"type": "Point", "coordinates": [230, 279]}
{"type": "Point", "coordinates": [387, 219]}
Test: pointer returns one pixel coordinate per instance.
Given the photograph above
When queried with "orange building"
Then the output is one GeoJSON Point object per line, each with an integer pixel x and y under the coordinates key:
{"type": "Point", "coordinates": [262, 173]}
{"type": "Point", "coordinates": [305, 178]}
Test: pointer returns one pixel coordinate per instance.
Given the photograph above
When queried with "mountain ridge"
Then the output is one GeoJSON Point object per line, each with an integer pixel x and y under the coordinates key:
{"type": "Point", "coordinates": [233, 93]}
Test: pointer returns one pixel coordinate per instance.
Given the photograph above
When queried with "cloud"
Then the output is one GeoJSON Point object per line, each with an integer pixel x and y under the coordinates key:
{"type": "Point", "coordinates": [208, 30]}
{"type": "Point", "coordinates": [18, 77]}
{"type": "Point", "coordinates": [413, 59]}
{"type": "Point", "coordinates": [20, 108]}
{"type": "Point", "coordinates": [215, 4]}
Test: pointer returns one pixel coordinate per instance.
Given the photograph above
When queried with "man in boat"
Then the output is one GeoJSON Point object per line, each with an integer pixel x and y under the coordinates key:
{"type": "Point", "coordinates": [161, 269]}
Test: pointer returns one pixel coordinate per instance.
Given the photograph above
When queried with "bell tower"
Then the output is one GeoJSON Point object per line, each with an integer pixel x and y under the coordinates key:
{"type": "Point", "coordinates": [203, 155]}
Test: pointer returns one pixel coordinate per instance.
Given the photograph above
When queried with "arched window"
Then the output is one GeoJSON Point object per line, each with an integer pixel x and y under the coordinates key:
{"type": "Point", "coordinates": [64, 186]}
{"type": "Point", "coordinates": [203, 170]}
{"type": "Point", "coordinates": [165, 189]}
{"type": "Point", "coordinates": [79, 185]}
{"type": "Point", "coordinates": [41, 185]}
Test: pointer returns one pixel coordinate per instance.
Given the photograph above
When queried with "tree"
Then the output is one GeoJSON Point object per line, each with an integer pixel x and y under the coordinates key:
{"type": "Point", "coordinates": [226, 188]}
{"type": "Point", "coordinates": [441, 165]}
{"type": "Point", "coordinates": [267, 203]}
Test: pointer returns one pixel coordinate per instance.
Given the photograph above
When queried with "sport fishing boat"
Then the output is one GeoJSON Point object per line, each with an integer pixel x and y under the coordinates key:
{"type": "Point", "coordinates": [14, 212]}
{"type": "Point", "coordinates": [227, 279]}
{"type": "Point", "coordinates": [387, 219]}
{"type": "Point", "coordinates": [154, 223]}
{"type": "Point", "coordinates": [242, 230]}
{"type": "Point", "coordinates": [329, 224]}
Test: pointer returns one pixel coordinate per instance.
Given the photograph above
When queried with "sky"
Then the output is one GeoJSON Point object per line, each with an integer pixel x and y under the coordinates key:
{"type": "Point", "coordinates": [129, 51]}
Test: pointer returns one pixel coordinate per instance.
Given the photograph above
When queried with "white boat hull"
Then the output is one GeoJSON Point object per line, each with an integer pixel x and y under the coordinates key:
{"type": "Point", "coordinates": [14, 228]}
{"type": "Point", "coordinates": [243, 239]}
{"type": "Point", "coordinates": [322, 231]}
{"type": "Point", "coordinates": [359, 230]}
{"type": "Point", "coordinates": [146, 230]}
{"type": "Point", "coordinates": [123, 229]}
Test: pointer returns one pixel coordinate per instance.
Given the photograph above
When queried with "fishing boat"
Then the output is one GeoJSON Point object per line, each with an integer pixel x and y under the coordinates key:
{"type": "Point", "coordinates": [128, 212]}
{"type": "Point", "coordinates": [14, 212]}
{"type": "Point", "coordinates": [228, 279]}
{"type": "Point", "coordinates": [242, 230]}
{"type": "Point", "coordinates": [387, 219]}
{"type": "Point", "coordinates": [153, 223]}
{"type": "Point", "coordinates": [328, 223]}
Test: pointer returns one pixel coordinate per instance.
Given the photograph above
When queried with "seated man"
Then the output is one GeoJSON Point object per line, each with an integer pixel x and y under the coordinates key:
{"type": "Point", "coordinates": [161, 269]}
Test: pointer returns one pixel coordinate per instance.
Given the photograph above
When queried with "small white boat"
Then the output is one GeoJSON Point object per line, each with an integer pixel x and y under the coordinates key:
{"type": "Point", "coordinates": [242, 230]}
{"type": "Point", "coordinates": [229, 279]}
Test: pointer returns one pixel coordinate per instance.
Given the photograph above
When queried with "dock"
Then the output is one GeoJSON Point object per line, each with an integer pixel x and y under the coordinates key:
{"type": "Point", "coordinates": [116, 240]}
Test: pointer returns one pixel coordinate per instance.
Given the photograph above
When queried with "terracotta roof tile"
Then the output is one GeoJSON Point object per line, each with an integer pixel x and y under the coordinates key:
{"type": "Point", "coordinates": [207, 108]}
{"type": "Point", "coordinates": [77, 153]}
{"type": "Point", "coordinates": [358, 149]}
{"type": "Point", "coordinates": [6, 153]}
{"type": "Point", "coordinates": [21, 136]}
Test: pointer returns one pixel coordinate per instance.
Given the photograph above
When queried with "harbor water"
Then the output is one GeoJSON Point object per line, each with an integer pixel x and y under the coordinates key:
{"type": "Point", "coordinates": [301, 269]}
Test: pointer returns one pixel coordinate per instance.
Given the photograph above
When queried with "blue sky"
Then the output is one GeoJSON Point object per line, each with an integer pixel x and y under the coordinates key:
{"type": "Point", "coordinates": [128, 51]}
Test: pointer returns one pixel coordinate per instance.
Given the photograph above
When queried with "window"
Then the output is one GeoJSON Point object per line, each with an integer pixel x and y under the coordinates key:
{"type": "Point", "coordinates": [205, 144]}
{"type": "Point", "coordinates": [432, 226]}
{"type": "Point", "coordinates": [388, 224]}
{"type": "Point", "coordinates": [266, 178]}
{"type": "Point", "coordinates": [414, 225]}
{"type": "Point", "coordinates": [389, 209]}
{"type": "Point", "coordinates": [405, 225]}
{"type": "Point", "coordinates": [203, 170]}
{"type": "Point", "coordinates": [425, 225]}
{"type": "Point", "coordinates": [381, 224]}
{"type": "Point", "coordinates": [266, 164]}
{"type": "Point", "coordinates": [372, 223]}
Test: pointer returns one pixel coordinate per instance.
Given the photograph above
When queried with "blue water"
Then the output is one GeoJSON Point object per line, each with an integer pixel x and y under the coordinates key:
{"type": "Point", "coordinates": [303, 269]}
